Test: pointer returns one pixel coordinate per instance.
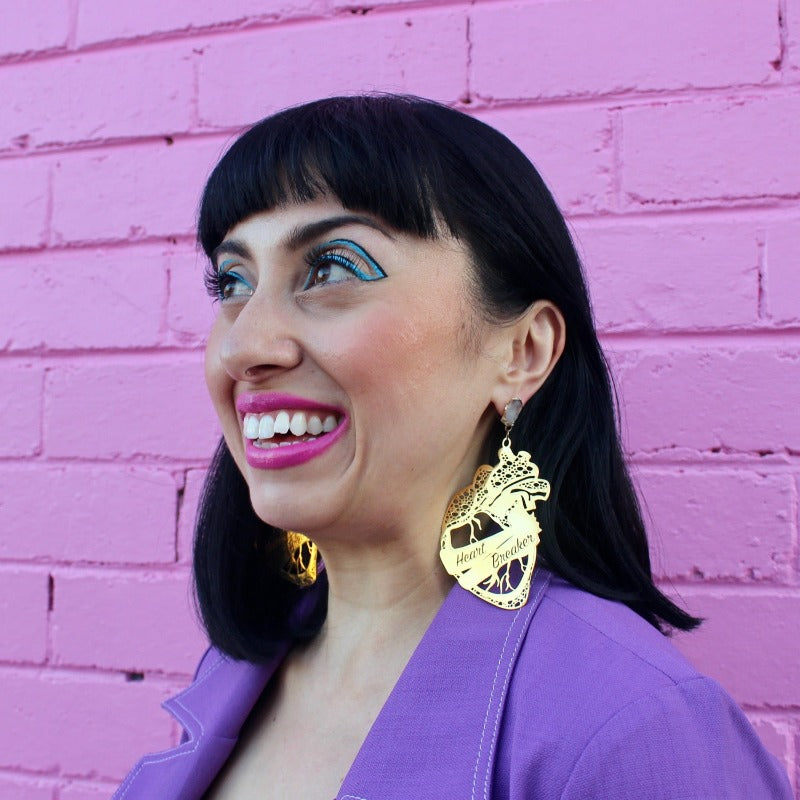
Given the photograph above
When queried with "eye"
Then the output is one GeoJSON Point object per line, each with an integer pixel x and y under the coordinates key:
{"type": "Point", "coordinates": [224, 283]}
{"type": "Point", "coordinates": [340, 260]}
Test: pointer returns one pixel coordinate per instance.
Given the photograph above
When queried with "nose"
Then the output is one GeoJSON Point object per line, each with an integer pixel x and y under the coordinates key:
{"type": "Point", "coordinates": [260, 342]}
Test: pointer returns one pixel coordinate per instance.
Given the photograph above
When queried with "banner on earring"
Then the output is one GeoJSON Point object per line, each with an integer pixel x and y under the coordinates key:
{"type": "Point", "coordinates": [476, 562]}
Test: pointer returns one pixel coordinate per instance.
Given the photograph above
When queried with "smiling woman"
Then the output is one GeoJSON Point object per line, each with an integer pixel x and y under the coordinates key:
{"type": "Point", "coordinates": [419, 557]}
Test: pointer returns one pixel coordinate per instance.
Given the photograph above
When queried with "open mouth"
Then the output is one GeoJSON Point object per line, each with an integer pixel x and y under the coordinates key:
{"type": "Point", "coordinates": [286, 427]}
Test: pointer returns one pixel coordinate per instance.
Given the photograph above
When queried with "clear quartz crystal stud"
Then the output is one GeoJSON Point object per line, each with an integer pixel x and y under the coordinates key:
{"type": "Point", "coordinates": [511, 412]}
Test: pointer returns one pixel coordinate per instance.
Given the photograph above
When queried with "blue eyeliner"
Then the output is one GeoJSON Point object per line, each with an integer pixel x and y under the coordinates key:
{"type": "Point", "coordinates": [364, 254]}
{"type": "Point", "coordinates": [322, 254]}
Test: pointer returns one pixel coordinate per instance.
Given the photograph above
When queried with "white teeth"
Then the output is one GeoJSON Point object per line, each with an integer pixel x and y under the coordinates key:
{"type": "Point", "coordinates": [297, 426]}
{"type": "Point", "coordinates": [251, 426]}
{"type": "Point", "coordinates": [282, 422]}
{"type": "Point", "coordinates": [266, 428]}
{"type": "Point", "coordinates": [262, 427]}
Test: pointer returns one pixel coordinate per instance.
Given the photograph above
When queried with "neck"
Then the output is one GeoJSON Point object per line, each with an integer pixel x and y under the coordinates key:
{"type": "Point", "coordinates": [385, 582]}
{"type": "Point", "coordinates": [381, 599]}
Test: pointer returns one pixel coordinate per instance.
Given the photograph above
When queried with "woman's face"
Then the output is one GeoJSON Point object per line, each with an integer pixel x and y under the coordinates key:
{"type": "Point", "coordinates": [365, 344]}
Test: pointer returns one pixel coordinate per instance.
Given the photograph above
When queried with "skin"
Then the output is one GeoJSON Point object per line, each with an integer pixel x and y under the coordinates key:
{"type": "Point", "coordinates": [422, 377]}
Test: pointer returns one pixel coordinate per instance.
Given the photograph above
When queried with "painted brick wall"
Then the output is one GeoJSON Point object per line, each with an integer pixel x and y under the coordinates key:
{"type": "Point", "coordinates": [670, 133]}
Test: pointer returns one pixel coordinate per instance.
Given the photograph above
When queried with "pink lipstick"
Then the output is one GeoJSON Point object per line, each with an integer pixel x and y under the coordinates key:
{"type": "Point", "coordinates": [253, 403]}
{"type": "Point", "coordinates": [293, 453]}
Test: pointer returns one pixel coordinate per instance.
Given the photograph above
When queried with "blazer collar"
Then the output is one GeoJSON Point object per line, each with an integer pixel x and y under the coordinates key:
{"type": "Point", "coordinates": [212, 711]}
{"type": "Point", "coordinates": [435, 736]}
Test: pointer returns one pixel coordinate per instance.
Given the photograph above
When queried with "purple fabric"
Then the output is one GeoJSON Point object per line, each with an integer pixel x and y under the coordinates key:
{"type": "Point", "coordinates": [570, 697]}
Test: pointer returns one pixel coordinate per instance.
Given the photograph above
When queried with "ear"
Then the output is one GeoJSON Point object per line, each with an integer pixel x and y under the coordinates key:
{"type": "Point", "coordinates": [533, 344]}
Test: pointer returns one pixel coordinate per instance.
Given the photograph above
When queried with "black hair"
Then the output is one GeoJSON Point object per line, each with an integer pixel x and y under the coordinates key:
{"type": "Point", "coordinates": [426, 169]}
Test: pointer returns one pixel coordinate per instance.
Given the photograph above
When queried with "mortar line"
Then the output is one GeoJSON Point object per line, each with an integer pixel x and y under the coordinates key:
{"type": "Point", "coordinates": [621, 101]}
{"type": "Point", "coordinates": [254, 24]}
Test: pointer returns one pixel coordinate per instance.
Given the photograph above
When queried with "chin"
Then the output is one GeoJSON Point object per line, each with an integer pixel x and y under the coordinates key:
{"type": "Point", "coordinates": [309, 515]}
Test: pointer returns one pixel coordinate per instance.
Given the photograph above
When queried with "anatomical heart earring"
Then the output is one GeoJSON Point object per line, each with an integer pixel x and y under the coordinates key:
{"type": "Point", "coordinates": [490, 532]}
{"type": "Point", "coordinates": [300, 566]}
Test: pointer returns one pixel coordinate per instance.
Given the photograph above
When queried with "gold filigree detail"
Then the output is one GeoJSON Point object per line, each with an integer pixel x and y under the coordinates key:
{"type": "Point", "coordinates": [301, 559]}
{"type": "Point", "coordinates": [497, 559]}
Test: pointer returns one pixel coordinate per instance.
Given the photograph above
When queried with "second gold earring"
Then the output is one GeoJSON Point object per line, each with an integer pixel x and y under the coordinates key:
{"type": "Point", "coordinates": [300, 566]}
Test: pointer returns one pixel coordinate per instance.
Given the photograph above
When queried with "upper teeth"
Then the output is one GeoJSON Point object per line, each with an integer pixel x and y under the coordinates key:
{"type": "Point", "coordinates": [298, 423]}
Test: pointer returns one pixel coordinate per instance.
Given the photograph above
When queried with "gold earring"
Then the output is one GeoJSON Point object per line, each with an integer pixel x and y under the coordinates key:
{"type": "Point", "coordinates": [490, 532]}
{"type": "Point", "coordinates": [300, 566]}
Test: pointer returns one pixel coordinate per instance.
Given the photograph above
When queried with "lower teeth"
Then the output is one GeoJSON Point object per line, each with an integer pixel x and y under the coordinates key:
{"type": "Point", "coordinates": [267, 444]}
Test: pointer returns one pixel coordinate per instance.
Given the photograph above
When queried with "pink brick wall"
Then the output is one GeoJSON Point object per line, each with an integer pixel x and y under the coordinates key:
{"type": "Point", "coordinates": [670, 133]}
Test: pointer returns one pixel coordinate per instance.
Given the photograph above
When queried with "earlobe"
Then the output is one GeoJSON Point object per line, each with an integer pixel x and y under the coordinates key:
{"type": "Point", "coordinates": [536, 342]}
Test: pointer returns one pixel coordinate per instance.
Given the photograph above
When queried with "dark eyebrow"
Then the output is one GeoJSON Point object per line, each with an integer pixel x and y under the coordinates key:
{"type": "Point", "coordinates": [301, 235]}
{"type": "Point", "coordinates": [304, 234]}
{"type": "Point", "coordinates": [232, 247]}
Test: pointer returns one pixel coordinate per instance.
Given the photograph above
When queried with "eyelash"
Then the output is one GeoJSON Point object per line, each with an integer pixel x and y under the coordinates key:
{"type": "Point", "coordinates": [338, 252]}
{"type": "Point", "coordinates": [216, 281]}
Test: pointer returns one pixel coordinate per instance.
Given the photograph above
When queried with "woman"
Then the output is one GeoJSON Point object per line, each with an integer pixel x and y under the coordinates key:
{"type": "Point", "coordinates": [399, 304]}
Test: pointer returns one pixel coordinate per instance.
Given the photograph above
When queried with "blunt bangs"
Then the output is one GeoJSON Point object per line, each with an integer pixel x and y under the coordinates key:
{"type": "Point", "coordinates": [371, 152]}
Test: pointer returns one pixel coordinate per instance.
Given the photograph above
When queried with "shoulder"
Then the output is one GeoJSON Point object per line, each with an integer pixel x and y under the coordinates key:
{"type": "Point", "coordinates": [602, 703]}
{"type": "Point", "coordinates": [606, 634]}
{"type": "Point", "coordinates": [688, 740]}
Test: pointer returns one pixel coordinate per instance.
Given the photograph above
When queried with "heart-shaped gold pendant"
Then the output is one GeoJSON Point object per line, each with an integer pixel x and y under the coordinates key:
{"type": "Point", "coordinates": [490, 532]}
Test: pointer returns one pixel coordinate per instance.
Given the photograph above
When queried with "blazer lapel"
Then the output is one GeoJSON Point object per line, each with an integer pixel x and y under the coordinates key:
{"type": "Point", "coordinates": [436, 735]}
{"type": "Point", "coordinates": [212, 711]}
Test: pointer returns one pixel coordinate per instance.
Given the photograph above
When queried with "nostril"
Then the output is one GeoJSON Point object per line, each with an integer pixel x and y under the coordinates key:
{"type": "Point", "coordinates": [250, 354]}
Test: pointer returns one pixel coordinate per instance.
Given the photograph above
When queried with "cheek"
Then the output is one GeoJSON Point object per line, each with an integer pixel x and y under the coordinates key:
{"type": "Point", "coordinates": [393, 359]}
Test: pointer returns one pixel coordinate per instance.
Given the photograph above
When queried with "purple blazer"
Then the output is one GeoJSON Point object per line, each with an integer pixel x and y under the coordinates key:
{"type": "Point", "coordinates": [570, 697]}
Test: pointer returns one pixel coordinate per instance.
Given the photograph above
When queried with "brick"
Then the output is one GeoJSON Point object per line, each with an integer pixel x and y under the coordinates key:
{"type": "Point", "coordinates": [92, 96]}
{"type": "Point", "coordinates": [131, 192]}
{"type": "Point", "coordinates": [190, 312]}
{"type": "Point", "coordinates": [186, 518]}
{"type": "Point", "coordinates": [149, 17]}
{"type": "Point", "coordinates": [117, 721]}
{"type": "Point", "coordinates": [129, 410]}
{"type": "Point", "coordinates": [783, 271]}
{"type": "Point", "coordinates": [571, 149]}
{"type": "Point", "coordinates": [19, 787]}
{"type": "Point", "coordinates": [24, 197]}
{"type": "Point", "coordinates": [43, 25]}
{"type": "Point", "coordinates": [365, 6]}
{"type": "Point", "coordinates": [739, 399]}
{"type": "Point", "coordinates": [715, 150]}
{"type": "Point", "coordinates": [23, 615]}
{"type": "Point", "coordinates": [423, 52]}
{"type": "Point", "coordinates": [83, 299]}
{"type": "Point", "coordinates": [580, 47]}
{"type": "Point", "coordinates": [776, 736]}
{"type": "Point", "coordinates": [139, 621]}
{"type": "Point", "coordinates": [719, 524]}
{"type": "Point", "coordinates": [745, 643]}
{"type": "Point", "coordinates": [20, 409]}
{"type": "Point", "coordinates": [86, 791]}
{"type": "Point", "coordinates": [80, 513]}
{"type": "Point", "coordinates": [667, 276]}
